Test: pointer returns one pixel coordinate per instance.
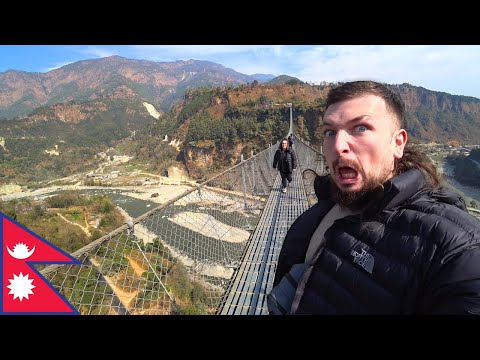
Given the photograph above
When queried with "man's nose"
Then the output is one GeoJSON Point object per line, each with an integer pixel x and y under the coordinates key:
{"type": "Point", "coordinates": [342, 145]}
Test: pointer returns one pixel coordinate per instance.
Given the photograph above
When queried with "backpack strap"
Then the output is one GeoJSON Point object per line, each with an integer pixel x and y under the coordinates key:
{"type": "Point", "coordinates": [279, 300]}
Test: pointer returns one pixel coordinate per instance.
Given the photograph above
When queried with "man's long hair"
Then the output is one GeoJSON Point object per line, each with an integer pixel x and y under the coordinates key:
{"type": "Point", "coordinates": [415, 159]}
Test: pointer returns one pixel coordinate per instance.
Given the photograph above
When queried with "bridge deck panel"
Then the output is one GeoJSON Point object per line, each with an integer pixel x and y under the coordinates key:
{"type": "Point", "coordinates": [254, 278]}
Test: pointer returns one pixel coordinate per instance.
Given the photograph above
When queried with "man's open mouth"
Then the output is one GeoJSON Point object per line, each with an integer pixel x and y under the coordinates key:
{"type": "Point", "coordinates": [347, 174]}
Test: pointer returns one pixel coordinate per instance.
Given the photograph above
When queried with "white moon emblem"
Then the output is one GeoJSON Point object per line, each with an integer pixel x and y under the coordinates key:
{"type": "Point", "coordinates": [20, 251]}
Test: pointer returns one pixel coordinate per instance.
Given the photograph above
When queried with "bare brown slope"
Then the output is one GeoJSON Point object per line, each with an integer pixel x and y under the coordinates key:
{"type": "Point", "coordinates": [155, 82]}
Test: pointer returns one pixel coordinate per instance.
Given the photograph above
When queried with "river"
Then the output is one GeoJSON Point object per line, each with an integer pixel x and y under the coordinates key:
{"type": "Point", "coordinates": [134, 207]}
{"type": "Point", "coordinates": [212, 250]}
{"type": "Point", "coordinates": [469, 193]}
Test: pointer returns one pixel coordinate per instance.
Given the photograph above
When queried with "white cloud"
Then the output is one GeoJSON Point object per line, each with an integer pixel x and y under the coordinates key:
{"type": "Point", "coordinates": [98, 51]}
{"type": "Point", "coordinates": [451, 69]}
{"type": "Point", "coordinates": [57, 66]}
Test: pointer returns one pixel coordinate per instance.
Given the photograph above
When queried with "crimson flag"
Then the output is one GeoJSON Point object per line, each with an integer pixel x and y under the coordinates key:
{"type": "Point", "coordinates": [23, 289]}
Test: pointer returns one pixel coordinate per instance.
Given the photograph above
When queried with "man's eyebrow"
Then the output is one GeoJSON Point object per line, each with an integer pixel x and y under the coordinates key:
{"type": "Point", "coordinates": [355, 119]}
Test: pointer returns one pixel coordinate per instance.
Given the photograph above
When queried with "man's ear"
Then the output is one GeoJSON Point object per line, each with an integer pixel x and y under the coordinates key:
{"type": "Point", "coordinates": [400, 138]}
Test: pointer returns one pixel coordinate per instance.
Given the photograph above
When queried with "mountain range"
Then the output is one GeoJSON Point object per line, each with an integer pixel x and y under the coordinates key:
{"type": "Point", "coordinates": [159, 83]}
{"type": "Point", "coordinates": [55, 123]}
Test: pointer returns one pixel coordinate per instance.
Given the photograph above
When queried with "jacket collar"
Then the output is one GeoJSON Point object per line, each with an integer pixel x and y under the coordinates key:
{"type": "Point", "coordinates": [401, 188]}
{"type": "Point", "coordinates": [404, 186]}
{"type": "Point", "coordinates": [395, 191]}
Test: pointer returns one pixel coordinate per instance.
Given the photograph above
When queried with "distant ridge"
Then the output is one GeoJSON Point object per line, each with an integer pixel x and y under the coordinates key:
{"type": "Point", "coordinates": [285, 80]}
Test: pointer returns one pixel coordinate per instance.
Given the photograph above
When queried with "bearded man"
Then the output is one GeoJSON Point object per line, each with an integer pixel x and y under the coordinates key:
{"type": "Point", "coordinates": [385, 237]}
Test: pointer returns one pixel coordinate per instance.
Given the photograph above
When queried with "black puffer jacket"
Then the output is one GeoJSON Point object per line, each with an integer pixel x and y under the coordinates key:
{"type": "Point", "coordinates": [286, 161]}
{"type": "Point", "coordinates": [417, 252]}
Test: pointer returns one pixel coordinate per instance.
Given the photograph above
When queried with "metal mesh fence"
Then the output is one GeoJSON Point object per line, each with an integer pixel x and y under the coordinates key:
{"type": "Point", "coordinates": [179, 257]}
{"type": "Point", "coordinates": [311, 164]}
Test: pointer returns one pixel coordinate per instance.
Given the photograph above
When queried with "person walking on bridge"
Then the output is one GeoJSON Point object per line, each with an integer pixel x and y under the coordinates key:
{"type": "Point", "coordinates": [285, 160]}
{"type": "Point", "coordinates": [385, 236]}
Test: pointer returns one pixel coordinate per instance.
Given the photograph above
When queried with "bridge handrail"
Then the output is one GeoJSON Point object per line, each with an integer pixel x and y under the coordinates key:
{"type": "Point", "coordinates": [309, 146]}
{"type": "Point", "coordinates": [87, 248]}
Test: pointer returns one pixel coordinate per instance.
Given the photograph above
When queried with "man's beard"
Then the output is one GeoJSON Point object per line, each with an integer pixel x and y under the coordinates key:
{"type": "Point", "coordinates": [358, 200]}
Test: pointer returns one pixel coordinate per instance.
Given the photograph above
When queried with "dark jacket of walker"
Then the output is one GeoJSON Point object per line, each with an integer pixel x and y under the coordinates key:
{"type": "Point", "coordinates": [416, 252]}
{"type": "Point", "coordinates": [285, 161]}
{"type": "Point", "coordinates": [290, 141]}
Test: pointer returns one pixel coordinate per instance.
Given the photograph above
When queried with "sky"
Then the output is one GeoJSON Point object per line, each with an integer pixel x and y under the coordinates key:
{"type": "Point", "coordinates": [454, 69]}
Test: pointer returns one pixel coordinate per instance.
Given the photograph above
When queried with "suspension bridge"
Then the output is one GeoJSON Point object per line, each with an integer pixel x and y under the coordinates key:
{"type": "Point", "coordinates": [211, 250]}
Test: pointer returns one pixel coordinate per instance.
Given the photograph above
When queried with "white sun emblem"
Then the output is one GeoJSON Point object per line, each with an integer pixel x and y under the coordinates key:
{"type": "Point", "coordinates": [20, 286]}
{"type": "Point", "coordinates": [20, 251]}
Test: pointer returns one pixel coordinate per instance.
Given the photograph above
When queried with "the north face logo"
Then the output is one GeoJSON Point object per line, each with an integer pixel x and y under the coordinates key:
{"type": "Point", "coordinates": [364, 259]}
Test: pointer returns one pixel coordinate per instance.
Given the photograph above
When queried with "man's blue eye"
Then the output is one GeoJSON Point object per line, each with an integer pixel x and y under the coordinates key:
{"type": "Point", "coordinates": [329, 133]}
{"type": "Point", "coordinates": [361, 128]}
